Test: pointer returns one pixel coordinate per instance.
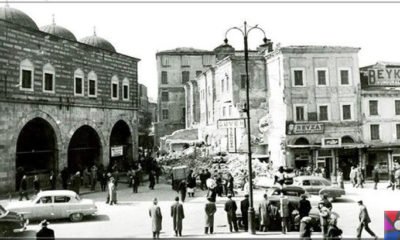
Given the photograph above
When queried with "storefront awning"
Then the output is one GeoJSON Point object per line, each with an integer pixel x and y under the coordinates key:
{"type": "Point", "coordinates": [303, 146]}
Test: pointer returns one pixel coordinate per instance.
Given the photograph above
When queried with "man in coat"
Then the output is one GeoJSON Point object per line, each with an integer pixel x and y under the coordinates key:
{"type": "Point", "coordinates": [177, 215]}
{"type": "Point", "coordinates": [230, 209]}
{"type": "Point", "coordinates": [23, 188]}
{"type": "Point", "coordinates": [45, 233]}
{"type": "Point", "coordinates": [285, 213]}
{"type": "Point", "coordinates": [112, 192]}
{"type": "Point", "coordinates": [244, 208]}
{"type": "Point", "coordinates": [364, 221]}
{"type": "Point", "coordinates": [210, 210]}
{"type": "Point", "coordinates": [375, 176]}
{"type": "Point", "coordinates": [182, 189]}
{"type": "Point", "coordinates": [156, 219]}
{"type": "Point", "coordinates": [76, 182]}
{"type": "Point", "coordinates": [263, 209]}
{"type": "Point", "coordinates": [304, 206]}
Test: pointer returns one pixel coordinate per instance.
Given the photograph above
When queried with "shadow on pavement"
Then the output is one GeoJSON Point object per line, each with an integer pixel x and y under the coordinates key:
{"type": "Point", "coordinates": [91, 218]}
{"type": "Point", "coordinates": [344, 200]}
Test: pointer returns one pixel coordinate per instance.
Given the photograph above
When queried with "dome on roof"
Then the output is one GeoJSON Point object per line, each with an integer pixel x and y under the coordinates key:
{"type": "Point", "coordinates": [17, 17]}
{"type": "Point", "coordinates": [99, 42]}
{"type": "Point", "coordinates": [58, 31]}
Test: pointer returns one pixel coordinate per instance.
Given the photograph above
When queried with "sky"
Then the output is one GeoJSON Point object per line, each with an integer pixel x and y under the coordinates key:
{"type": "Point", "coordinates": [142, 29]}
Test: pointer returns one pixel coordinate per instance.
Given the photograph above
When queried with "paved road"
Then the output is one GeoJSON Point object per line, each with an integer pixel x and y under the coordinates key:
{"type": "Point", "coordinates": [130, 217]}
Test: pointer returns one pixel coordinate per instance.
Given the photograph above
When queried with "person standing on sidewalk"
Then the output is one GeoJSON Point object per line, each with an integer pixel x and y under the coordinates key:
{"type": "Point", "coordinates": [263, 209]}
{"type": "Point", "coordinates": [285, 213]}
{"type": "Point", "coordinates": [93, 177]}
{"type": "Point", "coordinates": [360, 178]}
{"type": "Point", "coordinates": [36, 184]}
{"type": "Point", "coordinates": [392, 182]}
{"type": "Point", "coordinates": [210, 210]}
{"type": "Point", "coordinates": [182, 189]}
{"type": "Point", "coordinates": [244, 208]}
{"type": "Point", "coordinates": [375, 176]}
{"type": "Point", "coordinates": [152, 180]}
{"type": "Point", "coordinates": [156, 219]}
{"type": "Point", "coordinates": [364, 221]}
{"type": "Point", "coordinates": [52, 180]}
{"type": "Point", "coordinates": [23, 188]}
{"type": "Point", "coordinates": [177, 215]}
{"type": "Point", "coordinates": [203, 179]}
{"type": "Point", "coordinates": [304, 206]}
{"type": "Point", "coordinates": [230, 209]}
{"type": "Point", "coordinates": [353, 176]}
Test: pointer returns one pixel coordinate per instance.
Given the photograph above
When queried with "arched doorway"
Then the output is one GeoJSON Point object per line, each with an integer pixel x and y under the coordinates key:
{"type": "Point", "coordinates": [121, 145]}
{"type": "Point", "coordinates": [84, 149]}
{"type": "Point", "coordinates": [302, 154]}
{"type": "Point", "coordinates": [348, 156]}
{"type": "Point", "coordinates": [36, 151]}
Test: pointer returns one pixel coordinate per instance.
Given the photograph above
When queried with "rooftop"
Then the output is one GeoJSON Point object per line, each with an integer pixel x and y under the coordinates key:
{"type": "Point", "coordinates": [185, 50]}
{"type": "Point", "coordinates": [382, 64]}
{"type": "Point", "coordinates": [317, 48]}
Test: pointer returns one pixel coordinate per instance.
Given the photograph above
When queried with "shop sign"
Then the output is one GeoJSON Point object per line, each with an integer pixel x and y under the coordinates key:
{"type": "Point", "coordinates": [263, 124]}
{"type": "Point", "coordinates": [231, 123]}
{"type": "Point", "coordinates": [117, 151]}
{"type": "Point", "coordinates": [384, 77]}
{"type": "Point", "coordinates": [331, 142]}
{"type": "Point", "coordinates": [304, 128]}
{"type": "Point", "coordinates": [232, 140]}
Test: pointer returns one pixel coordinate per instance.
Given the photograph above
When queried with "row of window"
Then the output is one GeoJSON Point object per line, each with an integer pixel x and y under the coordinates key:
{"type": "Point", "coordinates": [185, 76]}
{"type": "Point", "coordinates": [374, 131]}
{"type": "Point", "coordinates": [321, 77]}
{"type": "Point", "coordinates": [185, 61]}
{"type": "Point", "coordinates": [323, 112]}
{"type": "Point", "coordinates": [374, 111]}
{"type": "Point", "coordinates": [49, 81]}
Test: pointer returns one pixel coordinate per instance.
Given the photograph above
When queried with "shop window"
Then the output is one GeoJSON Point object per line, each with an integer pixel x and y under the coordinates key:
{"type": "Point", "coordinates": [298, 77]}
{"type": "Point", "coordinates": [374, 131]}
{"type": "Point", "coordinates": [165, 114]}
{"type": "Point", "coordinates": [78, 83]}
{"type": "Point", "coordinates": [185, 76]}
{"type": "Point", "coordinates": [373, 107]}
{"type": "Point", "coordinates": [164, 77]}
{"type": "Point", "coordinates": [26, 75]}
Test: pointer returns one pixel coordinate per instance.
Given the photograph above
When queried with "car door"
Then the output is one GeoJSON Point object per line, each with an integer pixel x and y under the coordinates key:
{"type": "Point", "coordinates": [306, 184]}
{"type": "Point", "coordinates": [316, 185]}
{"type": "Point", "coordinates": [43, 208]}
{"type": "Point", "coordinates": [61, 205]}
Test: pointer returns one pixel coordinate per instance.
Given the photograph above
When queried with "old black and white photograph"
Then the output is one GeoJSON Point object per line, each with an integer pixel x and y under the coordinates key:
{"type": "Point", "coordinates": [199, 119]}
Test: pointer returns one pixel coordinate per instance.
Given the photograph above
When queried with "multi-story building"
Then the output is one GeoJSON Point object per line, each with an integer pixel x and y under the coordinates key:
{"type": "Point", "coordinates": [63, 102]}
{"type": "Point", "coordinates": [380, 96]}
{"type": "Point", "coordinates": [177, 70]}
{"type": "Point", "coordinates": [314, 107]}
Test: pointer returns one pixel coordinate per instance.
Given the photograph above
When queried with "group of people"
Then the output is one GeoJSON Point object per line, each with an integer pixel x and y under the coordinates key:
{"type": "Point", "coordinates": [357, 176]}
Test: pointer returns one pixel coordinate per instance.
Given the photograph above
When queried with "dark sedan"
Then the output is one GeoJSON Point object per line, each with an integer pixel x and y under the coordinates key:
{"type": "Point", "coordinates": [11, 222]}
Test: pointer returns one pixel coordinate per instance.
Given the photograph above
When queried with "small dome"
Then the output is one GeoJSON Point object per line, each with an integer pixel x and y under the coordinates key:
{"type": "Point", "coordinates": [99, 42]}
{"type": "Point", "coordinates": [58, 31]}
{"type": "Point", "coordinates": [17, 17]}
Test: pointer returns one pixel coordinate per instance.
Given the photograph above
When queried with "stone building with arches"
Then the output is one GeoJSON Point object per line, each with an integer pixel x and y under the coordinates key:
{"type": "Point", "coordinates": [63, 102]}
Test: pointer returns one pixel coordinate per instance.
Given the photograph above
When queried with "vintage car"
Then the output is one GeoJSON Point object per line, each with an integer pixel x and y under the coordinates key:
{"type": "Point", "coordinates": [319, 186]}
{"type": "Point", "coordinates": [11, 222]}
{"type": "Point", "coordinates": [55, 204]}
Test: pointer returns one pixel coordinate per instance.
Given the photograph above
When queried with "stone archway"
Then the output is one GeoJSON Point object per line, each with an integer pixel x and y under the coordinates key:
{"type": "Point", "coordinates": [121, 139]}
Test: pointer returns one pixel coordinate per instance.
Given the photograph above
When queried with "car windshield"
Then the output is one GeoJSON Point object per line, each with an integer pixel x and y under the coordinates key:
{"type": "Point", "coordinates": [286, 192]}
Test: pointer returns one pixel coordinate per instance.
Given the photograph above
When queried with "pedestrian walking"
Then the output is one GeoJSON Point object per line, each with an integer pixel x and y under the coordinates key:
{"type": "Point", "coordinates": [375, 176]}
{"type": "Point", "coordinates": [115, 175]}
{"type": "Point", "coordinates": [304, 207]}
{"type": "Point", "coordinates": [230, 185]}
{"type": "Point", "coordinates": [218, 180]}
{"type": "Point", "coordinates": [352, 176]}
{"type": "Point", "coordinates": [112, 192]}
{"type": "Point", "coordinates": [263, 209]}
{"type": "Point", "coordinates": [340, 179]}
{"type": "Point", "coordinates": [152, 180]}
{"type": "Point", "coordinates": [76, 182]}
{"type": "Point", "coordinates": [360, 178]}
{"type": "Point", "coordinates": [305, 228]}
{"type": "Point", "coordinates": [392, 182]}
{"type": "Point", "coordinates": [93, 177]}
{"type": "Point", "coordinates": [52, 180]}
{"type": "Point", "coordinates": [156, 219]}
{"type": "Point", "coordinates": [230, 209]}
{"type": "Point", "coordinates": [86, 177]}
{"type": "Point", "coordinates": [364, 221]}
{"type": "Point", "coordinates": [36, 184]}
{"type": "Point", "coordinates": [45, 233]}
{"type": "Point", "coordinates": [64, 177]}
{"type": "Point", "coordinates": [324, 214]}
{"type": "Point", "coordinates": [244, 208]}
{"type": "Point", "coordinates": [203, 179]}
{"type": "Point", "coordinates": [23, 189]}
{"type": "Point", "coordinates": [135, 181]}
{"type": "Point", "coordinates": [191, 184]}
{"type": "Point", "coordinates": [103, 180]}
{"type": "Point", "coordinates": [285, 213]}
{"type": "Point", "coordinates": [210, 209]}
{"type": "Point", "coordinates": [177, 215]}
{"type": "Point", "coordinates": [182, 189]}
{"type": "Point", "coordinates": [334, 233]}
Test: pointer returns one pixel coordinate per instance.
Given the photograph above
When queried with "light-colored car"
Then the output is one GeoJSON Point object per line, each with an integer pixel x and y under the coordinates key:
{"type": "Point", "coordinates": [319, 186]}
{"type": "Point", "coordinates": [54, 204]}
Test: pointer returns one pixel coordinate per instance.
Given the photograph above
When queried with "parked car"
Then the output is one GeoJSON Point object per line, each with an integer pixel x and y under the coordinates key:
{"type": "Point", "coordinates": [319, 186]}
{"type": "Point", "coordinates": [294, 195]}
{"type": "Point", "coordinates": [55, 204]}
{"type": "Point", "coordinates": [11, 222]}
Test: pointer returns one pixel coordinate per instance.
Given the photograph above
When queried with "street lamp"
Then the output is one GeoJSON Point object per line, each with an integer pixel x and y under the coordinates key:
{"type": "Point", "coordinates": [245, 32]}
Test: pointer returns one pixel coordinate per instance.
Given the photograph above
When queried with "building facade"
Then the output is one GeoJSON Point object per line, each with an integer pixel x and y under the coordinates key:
{"type": "Point", "coordinates": [177, 70]}
{"type": "Point", "coordinates": [63, 102]}
{"type": "Point", "coordinates": [315, 108]}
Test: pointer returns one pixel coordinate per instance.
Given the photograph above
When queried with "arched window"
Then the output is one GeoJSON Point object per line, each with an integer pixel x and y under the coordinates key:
{"type": "Point", "coordinates": [301, 141]}
{"type": "Point", "coordinates": [125, 89]}
{"type": "Point", "coordinates": [79, 87]}
{"type": "Point", "coordinates": [114, 88]}
{"type": "Point", "coordinates": [49, 78]}
{"type": "Point", "coordinates": [26, 75]}
{"type": "Point", "coordinates": [92, 84]}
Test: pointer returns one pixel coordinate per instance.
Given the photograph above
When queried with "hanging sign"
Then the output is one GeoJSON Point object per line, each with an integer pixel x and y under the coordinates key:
{"type": "Point", "coordinates": [117, 151]}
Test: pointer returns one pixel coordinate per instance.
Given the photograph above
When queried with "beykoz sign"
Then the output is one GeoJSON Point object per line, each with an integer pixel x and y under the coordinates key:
{"type": "Point", "coordinates": [304, 128]}
{"type": "Point", "coordinates": [384, 77]}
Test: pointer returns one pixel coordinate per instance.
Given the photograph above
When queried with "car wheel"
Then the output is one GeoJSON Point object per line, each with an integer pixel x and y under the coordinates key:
{"type": "Point", "coordinates": [76, 217]}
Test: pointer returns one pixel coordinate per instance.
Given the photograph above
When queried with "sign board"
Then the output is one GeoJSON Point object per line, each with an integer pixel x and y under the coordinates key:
{"type": "Point", "coordinates": [117, 151]}
{"type": "Point", "coordinates": [232, 140]}
{"type": "Point", "coordinates": [331, 142]}
{"type": "Point", "coordinates": [304, 128]}
{"type": "Point", "coordinates": [263, 124]}
{"type": "Point", "coordinates": [231, 123]}
{"type": "Point", "coordinates": [384, 77]}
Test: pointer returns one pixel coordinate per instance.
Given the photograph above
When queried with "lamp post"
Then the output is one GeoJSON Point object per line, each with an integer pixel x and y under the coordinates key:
{"type": "Point", "coordinates": [245, 32]}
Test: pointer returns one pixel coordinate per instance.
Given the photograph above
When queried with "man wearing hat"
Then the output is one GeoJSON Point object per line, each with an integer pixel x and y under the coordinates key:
{"type": "Point", "coordinates": [304, 206]}
{"type": "Point", "coordinates": [244, 208]}
{"type": "Point", "coordinates": [230, 209]}
{"type": "Point", "coordinates": [364, 221]}
{"type": "Point", "coordinates": [326, 202]}
{"type": "Point", "coordinates": [210, 210]}
{"type": "Point", "coordinates": [45, 233]}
